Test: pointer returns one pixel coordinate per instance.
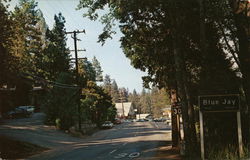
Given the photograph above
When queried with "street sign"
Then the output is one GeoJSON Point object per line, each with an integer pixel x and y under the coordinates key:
{"type": "Point", "coordinates": [219, 103]}
{"type": "Point", "coordinates": [176, 108]}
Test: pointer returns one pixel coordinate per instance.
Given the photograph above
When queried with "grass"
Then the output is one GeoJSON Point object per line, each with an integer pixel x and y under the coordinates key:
{"type": "Point", "coordinates": [14, 149]}
{"type": "Point", "coordinates": [227, 153]}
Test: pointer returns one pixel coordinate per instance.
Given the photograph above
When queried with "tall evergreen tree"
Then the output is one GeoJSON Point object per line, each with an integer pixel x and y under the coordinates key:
{"type": "Point", "coordinates": [107, 84]}
{"type": "Point", "coordinates": [98, 70]}
{"type": "Point", "coordinates": [7, 60]}
{"type": "Point", "coordinates": [123, 92]}
{"type": "Point", "coordinates": [135, 99]}
{"type": "Point", "coordinates": [87, 72]}
{"type": "Point", "coordinates": [27, 38]}
{"type": "Point", "coordinates": [26, 43]}
{"type": "Point", "coordinates": [159, 100]}
{"type": "Point", "coordinates": [114, 92]}
{"type": "Point", "coordinates": [56, 54]}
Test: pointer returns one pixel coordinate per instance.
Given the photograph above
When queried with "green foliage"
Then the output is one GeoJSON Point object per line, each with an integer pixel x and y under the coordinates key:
{"type": "Point", "coordinates": [107, 83]}
{"type": "Point", "coordinates": [22, 44]}
{"type": "Point", "coordinates": [98, 104]}
{"type": "Point", "coordinates": [148, 40]}
{"type": "Point", "coordinates": [7, 60]}
{"type": "Point", "coordinates": [27, 37]}
{"type": "Point", "coordinates": [98, 70]}
{"type": "Point", "coordinates": [135, 99]}
{"type": "Point", "coordinates": [150, 102]}
{"type": "Point", "coordinates": [115, 92]}
{"type": "Point", "coordinates": [111, 113]}
{"type": "Point", "coordinates": [56, 56]}
{"type": "Point", "coordinates": [60, 104]}
{"type": "Point", "coordinates": [86, 71]}
{"type": "Point", "coordinates": [29, 47]}
{"type": "Point", "coordinates": [160, 37]}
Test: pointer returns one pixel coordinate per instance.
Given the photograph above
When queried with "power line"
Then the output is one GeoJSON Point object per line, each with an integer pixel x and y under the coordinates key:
{"type": "Point", "coordinates": [74, 36]}
{"type": "Point", "coordinates": [42, 80]}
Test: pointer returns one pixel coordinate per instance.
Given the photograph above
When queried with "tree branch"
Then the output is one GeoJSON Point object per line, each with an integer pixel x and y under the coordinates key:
{"type": "Point", "coordinates": [233, 52]}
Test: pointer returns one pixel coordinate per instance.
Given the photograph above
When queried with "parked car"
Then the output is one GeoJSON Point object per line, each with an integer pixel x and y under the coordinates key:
{"type": "Point", "coordinates": [168, 121]}
{"type": "Point", "coordinates": [140, 120]}
{"type": "Point", "coordinates": [128, 120]}
{"type": "Point", "coordinates": [107, 125]}
{"type": "Point", "coordinates": [117, 121]}
{"type": "Point", "coordinates": [157, 120]}
{"type": "Point", "coordinates": [29, 109]}
{"type": "Point", "coordinates": [17, 113]}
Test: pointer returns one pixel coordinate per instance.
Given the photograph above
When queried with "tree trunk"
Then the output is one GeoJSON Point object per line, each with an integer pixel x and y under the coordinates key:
{"type": "Point", "coordinates": [181, 76]}
{"type": "Point", "coordinates": [175, 129]}
{"type": "Point", "coordinates": [181, 90]}
{"type": "Point", "coordinates": [242, 23]}
{"type": "Point", "coordinates": [243, 29]}
{"type": "Point", "coordinates": [193, 137]}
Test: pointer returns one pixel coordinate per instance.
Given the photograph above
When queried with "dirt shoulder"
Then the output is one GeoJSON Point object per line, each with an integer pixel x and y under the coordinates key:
{"type": "Point", "coordinates": [33, 130]}
{"type": "Point", "coordinates": [14, 149]}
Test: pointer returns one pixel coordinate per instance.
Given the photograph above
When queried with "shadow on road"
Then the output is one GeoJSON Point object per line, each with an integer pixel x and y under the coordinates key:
{"type": "Point", "coordinates": [143, 138]}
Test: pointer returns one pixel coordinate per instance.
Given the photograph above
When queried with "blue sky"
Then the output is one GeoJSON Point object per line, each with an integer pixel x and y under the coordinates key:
{"type": "Point", "coordinates": [111, 57]}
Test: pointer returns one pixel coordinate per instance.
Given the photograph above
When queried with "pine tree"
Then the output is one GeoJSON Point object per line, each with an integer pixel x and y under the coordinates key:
{"type": "Point", "coordinates": [7, 60]}
{"type": "Point", "coordinates": [26, 44]}
{"type": "Point", "coordinates": [97, 66]}
{"type": "Point", "coordinates": [107, 84]}
{"type": "Point", "coordinates": [86, 72]}
{"type": "Point", "coordinates": [114, 92]}
{"type": "Point", "coordinates": [40, 59]}
{"type": "Point", "coordinates": [123, 94]}
{"type": "Point", "coordinates": [56, 54]}
{"type": "Point", "coordinates": [27, 37]}
{"type": "Point", "coordinates": [135, 99]}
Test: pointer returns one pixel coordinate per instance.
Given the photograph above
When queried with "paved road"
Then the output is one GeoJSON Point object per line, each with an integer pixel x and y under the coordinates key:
{"type": "Point", "coordinates": [135, 140]}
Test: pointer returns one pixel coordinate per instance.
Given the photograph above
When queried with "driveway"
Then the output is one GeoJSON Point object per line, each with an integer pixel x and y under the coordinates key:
{"type": "Point", "coordinates": [34, 131]}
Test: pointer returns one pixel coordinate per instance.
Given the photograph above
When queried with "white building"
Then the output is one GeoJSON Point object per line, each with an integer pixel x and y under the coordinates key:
{"type": "Point", "coordinates": [142, 116]}
{"type": "Point", "coordinates": [125, 108]}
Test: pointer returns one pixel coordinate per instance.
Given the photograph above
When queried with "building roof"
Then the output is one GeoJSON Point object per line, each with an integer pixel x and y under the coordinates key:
{"type": "Point", "coordinates": [127, 108]}
{"type": "Point", "coordinates": [168, 107]}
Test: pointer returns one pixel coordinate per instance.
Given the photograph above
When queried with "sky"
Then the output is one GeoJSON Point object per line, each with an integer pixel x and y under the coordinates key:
{"type": "Point", "coordinates": [110, 56]}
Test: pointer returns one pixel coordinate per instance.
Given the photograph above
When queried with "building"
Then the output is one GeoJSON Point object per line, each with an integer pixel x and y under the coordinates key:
{"type": "Point", "coordinates": [125, 110]}
{"type": "Point", "coordinates": [142, 116]}
{"type": "Point", "coordinates": [166, 112]}
{"type": "Point", "coordinates": [9, 98]}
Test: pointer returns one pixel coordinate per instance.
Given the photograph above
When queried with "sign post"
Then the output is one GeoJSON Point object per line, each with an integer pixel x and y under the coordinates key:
{"type": "Point", "coordinates": [219, 103]}
{"type": "Point", "coordinates": [239, 134]}
{"type": "Point", "coordinates": [202, 136]}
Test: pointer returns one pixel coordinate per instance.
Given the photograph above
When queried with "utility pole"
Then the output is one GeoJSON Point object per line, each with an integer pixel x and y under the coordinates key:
{"type": "Point", "coordinates": [121, 95]}
{"type": "Point", "coordinates": [77, 75]}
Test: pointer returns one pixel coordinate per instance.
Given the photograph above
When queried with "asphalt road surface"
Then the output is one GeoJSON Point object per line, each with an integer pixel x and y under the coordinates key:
{"type": "Point", "coordinates": [135, 140]}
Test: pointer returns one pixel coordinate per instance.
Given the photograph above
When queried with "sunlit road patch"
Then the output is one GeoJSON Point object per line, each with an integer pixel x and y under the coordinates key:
{"type": "Point", "coordinates": [124, 155]}
{"type": "Point", "coordinates": [134, 155]}
{"type": "Point", "coordinates": [121, 155]}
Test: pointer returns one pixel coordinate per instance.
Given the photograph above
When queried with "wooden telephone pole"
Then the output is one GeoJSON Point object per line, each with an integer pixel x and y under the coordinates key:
{"type": "Point", "coordinates": [77, 74]}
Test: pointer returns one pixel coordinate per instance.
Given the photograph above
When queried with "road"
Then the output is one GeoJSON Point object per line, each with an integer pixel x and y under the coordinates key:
{"type": "Point", "coordinates": [135, 140]}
